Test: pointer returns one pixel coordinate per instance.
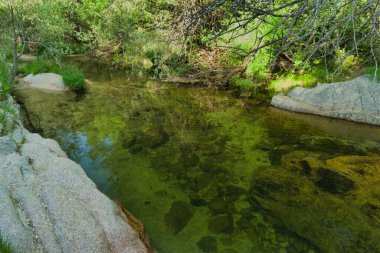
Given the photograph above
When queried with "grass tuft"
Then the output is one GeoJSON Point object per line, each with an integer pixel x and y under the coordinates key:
{"type": "Point", "coordinates": [72, 78]}
{"type": "Point", "coordinates": [5, 247]}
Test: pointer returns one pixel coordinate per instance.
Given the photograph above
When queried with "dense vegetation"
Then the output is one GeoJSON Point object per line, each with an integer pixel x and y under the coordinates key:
{"type": "Point", "coordinates": [244, 43]}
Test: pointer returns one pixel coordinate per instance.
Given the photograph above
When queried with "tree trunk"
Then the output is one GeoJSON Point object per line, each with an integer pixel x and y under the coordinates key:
{"type": "Point", "coordinates": [14, 46]}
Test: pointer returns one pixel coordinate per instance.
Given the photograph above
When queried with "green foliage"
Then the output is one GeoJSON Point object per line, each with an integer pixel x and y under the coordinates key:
{"type": "Point", "coordinates": [258, 67]}
{"type": "Point", "coordinates": [345, 60]}
{"type": "Point", "coordinates": [242, 83]}
{"type": "Point", "coordinates": [73, 79]}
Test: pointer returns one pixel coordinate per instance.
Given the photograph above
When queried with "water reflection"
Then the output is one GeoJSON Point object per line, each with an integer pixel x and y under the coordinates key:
{"type": "Point", "coordinates": [206, 172]}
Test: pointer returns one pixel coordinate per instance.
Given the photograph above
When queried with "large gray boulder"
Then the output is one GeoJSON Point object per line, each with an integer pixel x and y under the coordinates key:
{"type": "Point", "coordinates": [46, 81]}
{"type": "Point", "coordinates": [48, 204]}
{"type": "Point", "coordinates": [356, 100]}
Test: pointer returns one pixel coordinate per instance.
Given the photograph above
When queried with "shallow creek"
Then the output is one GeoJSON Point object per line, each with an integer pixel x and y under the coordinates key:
{"type": "Point", "coordinates": [208, 172]}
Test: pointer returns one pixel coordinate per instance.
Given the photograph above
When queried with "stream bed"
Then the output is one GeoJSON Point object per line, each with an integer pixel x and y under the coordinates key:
{"type": "Point", "coordinates": [208, 172]}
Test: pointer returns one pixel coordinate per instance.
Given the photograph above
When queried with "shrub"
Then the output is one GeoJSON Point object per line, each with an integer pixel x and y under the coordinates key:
{"type": "Point", "coordinates": [242, 83]}
{"type": "Point", "coordinates": [73, 79]}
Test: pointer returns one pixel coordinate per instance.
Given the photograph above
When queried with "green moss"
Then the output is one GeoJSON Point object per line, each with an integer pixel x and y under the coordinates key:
{"type": "Point", "coordinates": [73, 79]}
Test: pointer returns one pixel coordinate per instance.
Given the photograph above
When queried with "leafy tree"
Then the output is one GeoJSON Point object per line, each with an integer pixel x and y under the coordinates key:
{"type": "Point", "coordinates": [319, 28]}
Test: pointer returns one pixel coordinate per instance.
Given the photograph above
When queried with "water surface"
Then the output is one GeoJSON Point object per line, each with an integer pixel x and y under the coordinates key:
{"type": "Point", "coordinates": [189, 163]}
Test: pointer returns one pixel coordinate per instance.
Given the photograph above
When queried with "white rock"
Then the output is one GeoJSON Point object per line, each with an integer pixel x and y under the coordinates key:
{"type": "Point", "coordinates": [46, 81]}
{"type": "Point", "coordinates": [48, 204]}
{"type": "Point", "coordinates": [356, 100]}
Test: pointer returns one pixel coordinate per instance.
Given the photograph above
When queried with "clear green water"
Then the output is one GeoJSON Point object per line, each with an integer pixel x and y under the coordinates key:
{"type": "Point", "coordinates": [183, 159]}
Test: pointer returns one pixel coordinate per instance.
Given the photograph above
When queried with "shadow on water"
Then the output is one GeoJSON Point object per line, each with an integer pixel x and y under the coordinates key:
{"type": "Point", "coordinates": [206, 172]}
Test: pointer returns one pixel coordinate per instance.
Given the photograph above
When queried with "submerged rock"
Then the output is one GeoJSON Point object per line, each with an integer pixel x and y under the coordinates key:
{"type": "Point", "coordinates": [208, 244]}
{"type": "Point", "coordinates": [356, 100]}
{"type": "Point", "coordinates": [152, 136]}
{"type": "Point", "coordinates": [339, 196]}
{"type": "Point", "coordinates": [179, 215]}
{"type": "Point", "coordinates": [221, 224]}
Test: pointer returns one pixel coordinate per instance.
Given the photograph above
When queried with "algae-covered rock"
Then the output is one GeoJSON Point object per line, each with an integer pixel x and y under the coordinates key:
{"type": "Point", "coordinates": [221, 224]}
{"type": "Point", "coordinates": [152, 136]}
{"type": "Point", "coordinates": [339, 196]}
{"type": "Point", "coordinates": [179, 215]}
{"type": "Point", "coordinates": [208, 244]}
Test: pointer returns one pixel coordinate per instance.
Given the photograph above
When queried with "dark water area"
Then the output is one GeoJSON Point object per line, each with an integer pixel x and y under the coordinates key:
{"type": "Point", "coordinates": [208, 172]}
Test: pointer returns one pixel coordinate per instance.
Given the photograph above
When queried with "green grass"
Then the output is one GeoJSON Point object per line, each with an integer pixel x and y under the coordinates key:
{"type": "Point", "coordinates": [371, 71]}
{"type": "Point", "coordinates": [5, 247]}
{"type": "Point", "coordinates": [72, 78]}
{"type": "Point", "coordinates": [38, 67]}
{"type": "Point", "coordinates": [286, 82]}
{"type": "Point", "coordinates": [4, 80]}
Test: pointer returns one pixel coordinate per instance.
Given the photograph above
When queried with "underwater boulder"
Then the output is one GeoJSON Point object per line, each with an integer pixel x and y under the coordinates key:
{"type": "Point", "coordinates": [152, 136]}
{"type": "Point", "coordinates": [339, 196]}
{"type": "Point", "coordinates": [179, 215]}
{"type": "Point", "coordinates": [208, 244]}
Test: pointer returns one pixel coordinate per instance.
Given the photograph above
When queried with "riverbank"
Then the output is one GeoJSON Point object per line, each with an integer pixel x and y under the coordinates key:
{"type": "Point", "coordinates": [48, 202]}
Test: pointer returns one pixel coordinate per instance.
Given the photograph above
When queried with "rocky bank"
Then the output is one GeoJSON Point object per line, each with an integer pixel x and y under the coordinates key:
{"type": "Point", "coordinates": [48, 204]}
{"type": "Point", "coordinates": [356, 100]}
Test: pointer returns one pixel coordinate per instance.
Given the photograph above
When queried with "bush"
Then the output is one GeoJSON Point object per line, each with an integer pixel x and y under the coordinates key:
{"type": "Point", "coordinates": [242, 83]}
{"type": "Point", "coordinates": [73, 79]}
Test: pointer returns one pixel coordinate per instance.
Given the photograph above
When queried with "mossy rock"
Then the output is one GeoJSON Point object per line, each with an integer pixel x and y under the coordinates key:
{"type": "Point", "coordinates": [339, 196]}
{"type": "Point", "coordinates": [179, 215]}
{"type": "Point", "coordinates": [221, 224]}
{"type": "Point", "coordinates": [208, 244]}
